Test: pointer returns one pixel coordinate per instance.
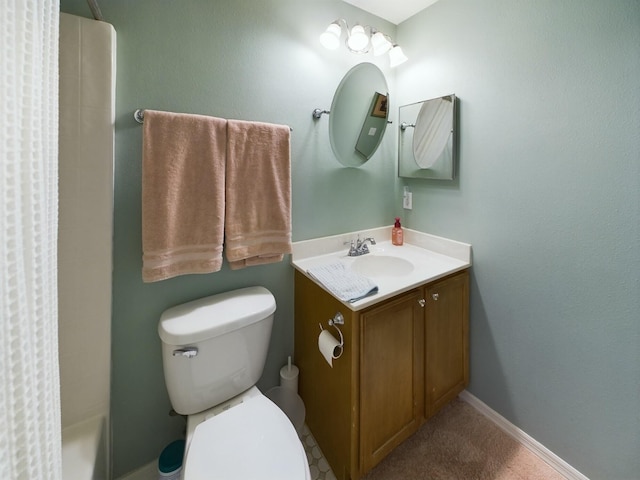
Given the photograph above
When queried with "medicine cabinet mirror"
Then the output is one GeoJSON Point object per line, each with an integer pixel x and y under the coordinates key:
{"type": "Point", "coordinates": [427, 139]}
{"type": "Point", "coordinates": [359, 113]}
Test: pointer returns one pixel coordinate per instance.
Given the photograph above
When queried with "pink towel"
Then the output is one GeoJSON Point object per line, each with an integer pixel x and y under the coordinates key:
{"type": "Point", "coordinates": [183, 176]}
{"type": "Point", "coordinates": [258, 189]}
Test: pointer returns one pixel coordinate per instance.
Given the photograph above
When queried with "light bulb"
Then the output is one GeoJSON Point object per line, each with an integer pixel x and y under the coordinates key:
{"type": "Point", "coordinates": [330, 38]}
{"type": "Point", "coordinates": [396, 56]}
{"type": "Point", "coordinates": [358, 40]}
{"type": "Point", "coordinates": [380, 43]}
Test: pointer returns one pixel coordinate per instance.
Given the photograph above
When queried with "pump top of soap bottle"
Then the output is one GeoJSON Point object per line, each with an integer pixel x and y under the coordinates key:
{"type": "Point", "coordinates": [396, 233]}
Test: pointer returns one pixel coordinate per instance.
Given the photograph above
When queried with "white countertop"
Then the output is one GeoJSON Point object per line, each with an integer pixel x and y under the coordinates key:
{"type": "Point", "coordinates": [432, 258]}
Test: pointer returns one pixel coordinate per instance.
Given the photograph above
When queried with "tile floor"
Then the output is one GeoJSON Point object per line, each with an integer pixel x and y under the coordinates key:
{"type": "Point", "coordinates": [318, 466]}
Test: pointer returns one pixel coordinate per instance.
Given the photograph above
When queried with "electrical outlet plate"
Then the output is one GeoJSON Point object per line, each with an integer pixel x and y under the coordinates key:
{"type": "Point", "coordinates": [407, 201]}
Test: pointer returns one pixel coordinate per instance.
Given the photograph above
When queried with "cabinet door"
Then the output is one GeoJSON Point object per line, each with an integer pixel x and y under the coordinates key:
{"type": "Point", "coordinates": [446, 340]}
{"type": "Point", "coordinates": [391, 376]}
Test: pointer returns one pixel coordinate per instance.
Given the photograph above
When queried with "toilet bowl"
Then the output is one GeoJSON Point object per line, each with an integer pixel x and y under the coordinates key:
{"type": "Point", "coordinates": [213, 352]}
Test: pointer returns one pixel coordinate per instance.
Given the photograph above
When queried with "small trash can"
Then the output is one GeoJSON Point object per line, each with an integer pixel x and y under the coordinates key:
{"type": "Point", "coordinates": [170, 461]}
{"type": "Point", "coordinates": [290, 403]}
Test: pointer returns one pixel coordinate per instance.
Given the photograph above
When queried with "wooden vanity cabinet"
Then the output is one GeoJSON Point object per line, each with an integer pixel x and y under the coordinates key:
{"type": "Point", "coordinates": [446, 340]}
{"type": "Point", "coordinates": [403, 359]}
{"type": "Point", "coordinates": [330, 394]}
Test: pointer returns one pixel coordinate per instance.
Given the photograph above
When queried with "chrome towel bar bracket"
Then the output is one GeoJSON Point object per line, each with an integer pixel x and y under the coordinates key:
{"type": "Point", "coordinates": [138, 115]}
{"type": "Point", "coordinates": [317, 113]}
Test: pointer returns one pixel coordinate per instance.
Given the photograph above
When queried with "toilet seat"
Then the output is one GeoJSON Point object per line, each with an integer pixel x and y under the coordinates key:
{"type": "Point", "coordinates": [251, 441]}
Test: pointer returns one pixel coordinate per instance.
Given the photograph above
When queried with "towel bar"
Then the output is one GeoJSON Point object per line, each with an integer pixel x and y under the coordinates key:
{"type": "Point", "coordinates": [138, 116]}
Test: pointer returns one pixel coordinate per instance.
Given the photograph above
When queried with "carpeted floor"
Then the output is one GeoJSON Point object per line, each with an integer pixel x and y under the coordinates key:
{"type": "Point", "coordinates": [459, 443]}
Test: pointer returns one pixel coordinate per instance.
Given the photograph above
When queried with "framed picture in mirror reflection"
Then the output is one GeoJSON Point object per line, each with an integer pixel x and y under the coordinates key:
{"type": "Point", "coordinates": [379, 106]}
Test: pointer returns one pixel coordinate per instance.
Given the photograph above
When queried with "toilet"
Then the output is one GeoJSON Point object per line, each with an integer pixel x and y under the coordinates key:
{"type": "Point", "coordinates": [213, 353]}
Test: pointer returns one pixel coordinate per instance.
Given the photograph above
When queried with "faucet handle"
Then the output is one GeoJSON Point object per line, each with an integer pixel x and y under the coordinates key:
{"type": "Point", "coordinates": [352, 248]}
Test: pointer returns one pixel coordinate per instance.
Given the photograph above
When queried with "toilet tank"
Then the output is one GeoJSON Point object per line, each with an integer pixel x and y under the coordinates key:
{"type": "Point", "coordinates": [214, 348]}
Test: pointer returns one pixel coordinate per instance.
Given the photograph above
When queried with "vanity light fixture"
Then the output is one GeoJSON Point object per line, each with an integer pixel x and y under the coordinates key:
{"type": "Point", "coordinates": [380, 44]}
{"type": "Point", "coordinates": [396, 56]}
{"type": "Point", "coordinates": [362, 39]}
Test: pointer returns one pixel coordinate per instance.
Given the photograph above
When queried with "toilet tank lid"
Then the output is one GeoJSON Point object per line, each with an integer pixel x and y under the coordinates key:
{"type": "Point", "coordinates": [208, 317]}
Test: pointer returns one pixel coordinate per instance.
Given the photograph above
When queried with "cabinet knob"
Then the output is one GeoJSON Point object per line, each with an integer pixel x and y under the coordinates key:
{"type": "Point", "coordinates": [422, 302]}
{"type": "Point", "coordinates": [435, 296]}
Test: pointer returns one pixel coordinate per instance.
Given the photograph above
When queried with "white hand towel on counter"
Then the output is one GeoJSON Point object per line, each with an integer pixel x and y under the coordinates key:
{"type": "Point", "coordinates": [343, 282]}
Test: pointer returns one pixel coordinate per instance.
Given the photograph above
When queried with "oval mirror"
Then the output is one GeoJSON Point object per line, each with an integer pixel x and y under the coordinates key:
{"type": "Point", "coordinates": [359, 114]}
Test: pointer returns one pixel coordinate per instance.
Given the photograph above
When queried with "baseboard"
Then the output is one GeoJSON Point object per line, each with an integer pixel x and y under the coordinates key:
{"type": "Point", "coordinates": [523, 438]}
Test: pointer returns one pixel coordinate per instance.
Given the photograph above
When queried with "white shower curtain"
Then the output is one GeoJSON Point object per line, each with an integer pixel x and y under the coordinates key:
{"type": "Point", "coordinates": [29, 379]}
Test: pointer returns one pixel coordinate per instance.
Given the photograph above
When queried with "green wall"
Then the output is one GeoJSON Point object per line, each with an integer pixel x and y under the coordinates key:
{"type": "Point", "coordinates": [547, 193]}
{"type": "Point", "coordinates": [549, 197]}
{"type": "Point", "coordinates": [249, 60]}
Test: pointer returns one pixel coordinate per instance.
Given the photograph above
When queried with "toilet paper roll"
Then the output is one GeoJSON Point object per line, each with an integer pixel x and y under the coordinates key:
{"type": "Point", "coordinates": [329, 347]}
{"type": "Point", "coordinates": [289, 377]}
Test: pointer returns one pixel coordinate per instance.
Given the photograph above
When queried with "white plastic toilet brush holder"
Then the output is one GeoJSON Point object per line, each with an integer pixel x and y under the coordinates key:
{"type": "Point", "coordinates": [289, 376]}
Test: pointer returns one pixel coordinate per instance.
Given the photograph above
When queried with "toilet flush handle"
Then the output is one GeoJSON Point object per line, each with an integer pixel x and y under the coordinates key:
{"type": "Point", "coordinates": [188, 352]}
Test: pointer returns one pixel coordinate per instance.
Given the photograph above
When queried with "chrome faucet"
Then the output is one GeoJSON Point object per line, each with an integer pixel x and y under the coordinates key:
{"type": "Point", "coordinates": [359, 247]}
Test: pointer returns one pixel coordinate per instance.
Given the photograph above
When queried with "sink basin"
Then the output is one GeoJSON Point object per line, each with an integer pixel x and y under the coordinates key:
{"type": "Point", "coordinates": [394, 269]}
{"type": "Point", "coordinates": [381, 265]}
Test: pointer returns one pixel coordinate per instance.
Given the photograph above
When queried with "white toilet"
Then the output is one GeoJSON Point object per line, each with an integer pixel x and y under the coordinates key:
{"type": "Point", "coordinates": [213, 353]}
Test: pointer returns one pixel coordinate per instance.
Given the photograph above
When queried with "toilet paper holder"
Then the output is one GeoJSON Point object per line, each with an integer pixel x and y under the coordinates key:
{"type": "Point", "coordinates": [338, 319]}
